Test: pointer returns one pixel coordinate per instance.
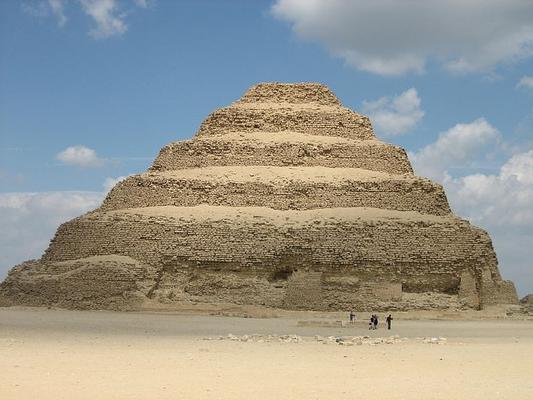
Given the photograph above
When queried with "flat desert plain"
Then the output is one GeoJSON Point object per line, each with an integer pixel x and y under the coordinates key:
{"type": "Point", "coordinates": [57, 354]}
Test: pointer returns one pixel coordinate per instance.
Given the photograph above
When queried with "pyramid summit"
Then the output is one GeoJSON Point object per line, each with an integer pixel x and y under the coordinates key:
{"type": "Point", "coordinates": [282, 199]}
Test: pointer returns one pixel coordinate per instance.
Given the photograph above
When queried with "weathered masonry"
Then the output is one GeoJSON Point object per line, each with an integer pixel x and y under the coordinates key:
{"type": "Point", "coordinates": [283, 199]}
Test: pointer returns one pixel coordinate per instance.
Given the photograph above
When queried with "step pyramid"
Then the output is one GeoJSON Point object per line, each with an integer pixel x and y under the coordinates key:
{"type": "Point", "coordinates": [283, 199]}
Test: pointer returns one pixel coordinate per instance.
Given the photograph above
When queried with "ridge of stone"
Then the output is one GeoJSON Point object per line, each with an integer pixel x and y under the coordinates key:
{"type": "Point", "coordinates": [287, 136]}
{"type": "Point", "coordinates": [258, 215]}
{"type": "Point", "coordinates": [280, 106]}
{"type": "Point", "coordinates": [295, 93]}
{"type": "Point", "coordinates": [257, 173]}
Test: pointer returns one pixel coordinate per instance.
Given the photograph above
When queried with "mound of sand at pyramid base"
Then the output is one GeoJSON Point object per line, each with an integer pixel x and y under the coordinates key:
{"type": "Point", "coordinates": [106, 281]}
{"type": "Point", "coordinates": [282, 149]}
{"type": "Point", "coordinates": [279, 188]}
{"type": "Point", "coordinates": [338, 257]}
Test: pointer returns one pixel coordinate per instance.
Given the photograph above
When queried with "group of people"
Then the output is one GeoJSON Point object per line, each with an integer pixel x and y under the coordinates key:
{"type": "Point", "coordinates": [373, 324]}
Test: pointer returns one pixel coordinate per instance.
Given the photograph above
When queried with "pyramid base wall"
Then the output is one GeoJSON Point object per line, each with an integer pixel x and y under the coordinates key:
{"type": "Point", "coordinates": [118, 261]}
{"type": "Point", "coordinates": [306, 290]}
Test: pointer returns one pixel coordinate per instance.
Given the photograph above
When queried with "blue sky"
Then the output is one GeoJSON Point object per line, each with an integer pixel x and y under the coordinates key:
{"type": "Point", "coordinates": [452, 83]}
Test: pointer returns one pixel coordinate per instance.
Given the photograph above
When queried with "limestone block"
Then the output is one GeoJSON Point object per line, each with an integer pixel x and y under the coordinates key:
{"type": "Point", "coordinates": [304, 290]}
{"type": "Point", "coordinates": [468, 290]}
{"type": "Point", "coordinates": [496, 291]}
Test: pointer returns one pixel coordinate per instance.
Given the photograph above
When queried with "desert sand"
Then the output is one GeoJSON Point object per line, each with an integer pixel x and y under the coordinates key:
{"type": "Point", "coordinates": [57, 354]}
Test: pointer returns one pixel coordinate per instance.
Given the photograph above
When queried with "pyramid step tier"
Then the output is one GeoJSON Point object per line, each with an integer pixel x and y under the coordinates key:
{"type": "Point", "coordinates": [367, 240]}
{"type": "Point", "coordinates": [317, 120]}
{"type": "Point", "coordinates": [303, 93]}
{"type": "Point", "coordinates": [280, 188]}
{"type": "Point", "coordinates": [354, 248]}
{"type": "Point", "coordinates": [282, 149]}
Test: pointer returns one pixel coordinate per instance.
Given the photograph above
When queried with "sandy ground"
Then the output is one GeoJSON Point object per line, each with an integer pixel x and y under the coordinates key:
{"type": "Point", "coordinates": [53, 354]}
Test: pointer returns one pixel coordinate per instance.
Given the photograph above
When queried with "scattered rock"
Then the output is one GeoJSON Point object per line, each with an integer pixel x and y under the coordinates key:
{"type": "Point", "coordinates": [338, 340]}
{"type": "Point", "coordinates": [434, 340]}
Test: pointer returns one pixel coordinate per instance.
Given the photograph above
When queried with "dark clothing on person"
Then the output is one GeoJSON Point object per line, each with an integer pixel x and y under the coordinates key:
{"type": "Point", "coordinates": [389, 320]}
{"type": "Point", "coordinates": [375, 322]}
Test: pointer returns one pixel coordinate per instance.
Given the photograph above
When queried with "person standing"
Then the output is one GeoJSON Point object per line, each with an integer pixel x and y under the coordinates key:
{"type": "Point", "coordinates": [352, 317]}
{"type": "Point", "coordinates": [389, 321]}
{"type": "Point", "coordinates": [375, 322]}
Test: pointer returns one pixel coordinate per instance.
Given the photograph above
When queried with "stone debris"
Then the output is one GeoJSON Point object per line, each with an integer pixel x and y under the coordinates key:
{"type": "Point", "coordinates": [258, 338]}
{"type": "Point", "coordinates": [327, 340]}
{"type": "Point", "coordinates": [434, 340]}
{"type": "Point", "coordinates": [527, 304]}
{"type": "Point", "coordinates": [283, 199]}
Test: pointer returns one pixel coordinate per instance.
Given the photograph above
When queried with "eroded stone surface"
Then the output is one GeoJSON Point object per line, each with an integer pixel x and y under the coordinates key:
{"type": "Point", "coordinates": [284, 199]}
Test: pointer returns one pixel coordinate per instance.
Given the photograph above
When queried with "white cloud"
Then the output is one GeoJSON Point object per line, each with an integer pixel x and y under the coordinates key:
{"type": "Point", "coordinates": [38, 9]}
{"type": "Point", "coordinates": [109, 183]}
{"type": "Point", "coordinates": [397, 115]}
{"type": "Point", "coordinates": [46, 8]}
{"type": "Point", "coordinates": [57, 7]}
{"type": "Point", "coordinates": [519, 168]}
{"type": "Point", "coordinates": [390, 37]}
{"type": "Point", "coordinates": [501, 199]}
{"type": "Point", "coordinates": [29, 220]}
{"type": "Point", "coordinates": [107, 15]}
{"type": "Point", "coordinates": [142, 3]}
{"type": "Point", "coordinates": [79, 156]}
{"type": "Point", "coordinates": [526, 82]}
{"type": "Point", "coordinates": [462, 146]}
{"type": "Point", "coordinates": [104, 14]}
{"type": "Point", "coordinates": [500, 202]}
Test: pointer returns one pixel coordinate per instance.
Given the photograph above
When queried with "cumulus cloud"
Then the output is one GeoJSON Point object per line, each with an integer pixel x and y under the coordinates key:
{"type": "Point", "coordinates": [79, 156]}
{"type": "Point", "coordinates": [142, 3]}
{"type": "Point", "coordinates": [38, 9]}
{"type": "Point", "coordinates": [108, 16]}
{"type": "Point", "coordinates": [396, 115]}
{"type": "Point", "coordinates": [57, 7]}
{"type": "Point", "coordinates": [526, 82]}
{"type": "Point", "coordinates": [501, 199]}
{"type": "Point", "coordinates": [29, 220]}
{"type": "Point", "coordinates": [500, 202]}
{"type": "Point", "coordinates": [462, 146]}
{"type": "Point", "coordinates": [390, 37]}
{"type": "Point", "coordinates": [109, 183]}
